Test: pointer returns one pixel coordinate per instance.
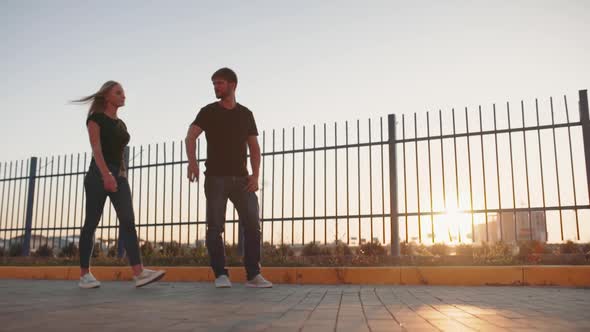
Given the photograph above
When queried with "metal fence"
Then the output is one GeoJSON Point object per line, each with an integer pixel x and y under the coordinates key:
{"type": "Point", "coordinates": [455, 176]}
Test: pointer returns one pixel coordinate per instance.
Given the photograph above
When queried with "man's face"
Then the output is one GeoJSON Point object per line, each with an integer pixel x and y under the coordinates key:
{"type": "Point", "coordinates": [223, 88]}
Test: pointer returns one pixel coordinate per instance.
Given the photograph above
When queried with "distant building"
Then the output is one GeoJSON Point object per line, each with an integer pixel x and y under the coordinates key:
{"type": "Point", "coordinates": [504, 227]}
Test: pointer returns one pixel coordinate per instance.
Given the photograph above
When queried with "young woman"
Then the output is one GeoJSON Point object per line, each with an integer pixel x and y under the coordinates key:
{"type": "Point", "coordinates": [107, 176]}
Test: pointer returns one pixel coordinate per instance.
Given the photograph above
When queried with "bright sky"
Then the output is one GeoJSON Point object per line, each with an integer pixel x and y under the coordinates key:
{"type": "Point", "coordinates": [298, 63]}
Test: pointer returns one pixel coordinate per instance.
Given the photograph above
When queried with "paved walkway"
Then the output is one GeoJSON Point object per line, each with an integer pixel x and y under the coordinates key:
{"type": "Point", "coordinates": [117, 306]}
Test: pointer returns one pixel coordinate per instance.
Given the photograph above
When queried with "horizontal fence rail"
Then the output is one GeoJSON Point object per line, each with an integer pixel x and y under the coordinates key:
{"type": "Point", "coordinates": [502, 173]}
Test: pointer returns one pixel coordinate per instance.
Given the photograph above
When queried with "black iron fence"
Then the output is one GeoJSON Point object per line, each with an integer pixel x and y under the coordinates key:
{"type": "Point", "coordinates": [500, 173]}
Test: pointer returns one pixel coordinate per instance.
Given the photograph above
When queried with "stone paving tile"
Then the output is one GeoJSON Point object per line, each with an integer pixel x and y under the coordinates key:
{"type": "Point", "coordinates": [118, 306]}
{"type": "Point", "coordinates": [384, 325]}
{"type": "Point", "coordinates": [322, 325]}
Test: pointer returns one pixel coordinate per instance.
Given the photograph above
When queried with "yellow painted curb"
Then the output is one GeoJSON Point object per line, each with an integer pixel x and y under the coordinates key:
{"type": "Point", "coordinates": [461, 275]}
{"type": "Point", "coordinates": [557, 275]}
{"type": "Point", "coordinates": [39, 272]}
{"type": "Point", "coordinates": [319, 275]}
{"type": "Point", "coordinates": [367, 275]}
{"type": "Point", "coordinates": [406, 275]}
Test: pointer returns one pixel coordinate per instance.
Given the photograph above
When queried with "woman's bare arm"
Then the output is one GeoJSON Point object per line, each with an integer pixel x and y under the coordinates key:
{"type": "Point", "coordinates": [94, 135]}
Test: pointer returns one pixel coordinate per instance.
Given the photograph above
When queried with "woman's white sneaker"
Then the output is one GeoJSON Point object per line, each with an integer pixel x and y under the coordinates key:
{"type": "Point", "coordinates": [88, 281]}
{"type": "Point", "coordinates": [258, 282]}
{"type": "Point", "coordinates": [146, 277]}
{"type": "Point", "coordinates": [222, 282]}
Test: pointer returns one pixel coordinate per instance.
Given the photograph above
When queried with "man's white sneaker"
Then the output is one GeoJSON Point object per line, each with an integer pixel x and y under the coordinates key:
{"type": "Point", "coordinates": [88, 281]}
{"type": "Point", "coordinates": [222, 282]}
{"type": "Point", "coordinates": [146, 277]}
{"type": "Point", "coordinates": [258, 282]}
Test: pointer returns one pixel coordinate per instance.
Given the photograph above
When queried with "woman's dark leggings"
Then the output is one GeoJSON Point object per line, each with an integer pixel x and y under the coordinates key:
{"type": "Point", "coordinates": [121, 199]}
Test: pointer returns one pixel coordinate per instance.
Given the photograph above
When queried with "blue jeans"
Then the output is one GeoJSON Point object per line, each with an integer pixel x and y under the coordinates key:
{"type": "Point", "coordinates": [217, 191]}
{"type": "Point", "coordinates": [96, 196]}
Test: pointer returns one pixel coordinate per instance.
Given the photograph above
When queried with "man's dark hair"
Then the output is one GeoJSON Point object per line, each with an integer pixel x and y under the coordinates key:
{"type": "Point", "coordinates": [225, 74]}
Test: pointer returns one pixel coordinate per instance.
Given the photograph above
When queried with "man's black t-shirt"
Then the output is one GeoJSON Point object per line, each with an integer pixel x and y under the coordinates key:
{"type": "Point", "coordinates": [227, 134]}
{"type": "Point", "coordinates": [113, 137]}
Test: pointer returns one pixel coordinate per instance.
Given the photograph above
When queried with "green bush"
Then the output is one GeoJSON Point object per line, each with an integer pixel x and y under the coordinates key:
{"type": "Point", "coordinates": [496, 254]}
{"type": "Point", "coordinates": [113, 251]}
{"type": "Point", "coordinates": [464, 249]}
{"type": "Point", "coordinates": [231, 250]}
{"type": "Point", "coordinates": [44, 251]}
{"type": "Point", "coordinates": [104, 260]}
{"type": "Point", "coordinates": [147, 249]}
{"type": "Point", "coordinates": [342, 249]}
{"type": "Point", "coordinates": [367, 255]}
{"type": "Point", "coordinates": [421, 250]}
{"type": "Point", "coordinates": [530, 247]}
{"type": "Point", "coordinates": [16, 249]}
{"type": "Point", "coordinates": [439, 249]}
{"type": "Point", "coordinates": [285, 251]}
{"type": "Point", "coordinates": [198, 251]}
{"type": "Point", "coordinates": [372, 249]}
{"type": "Point", "coordinates": [273, 255]}
{"type": "Point", "coordinates": [569, 247]}
{"type": "Point", "coordinates": [311, 249]}
{"type": "Point", "coordinates": [365, 260]}
{"type": "Point", "coordinates": [170, 249]}
{"type": "Point", "coordinates": [405, 248]}
{"type": "Point", "coordinates": [232, 255]}
{"type": "Point", "coordinates": [326, 251]}
{"type": "Point", "coordinates": [70, 250]}
{"type": "Point", "coordinates": [529, 251]}
{"type": "Point", "coordinates": [97, 250]}
{"type": "Point", "coordinates": [269, 250]}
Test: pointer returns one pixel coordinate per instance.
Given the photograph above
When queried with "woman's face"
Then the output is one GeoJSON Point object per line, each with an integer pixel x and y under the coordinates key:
{"type": "Point", "coordinates": [116, 96]}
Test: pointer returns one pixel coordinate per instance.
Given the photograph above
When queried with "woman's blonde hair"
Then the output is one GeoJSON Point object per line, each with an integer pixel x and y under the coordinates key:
{"type": "Point", "coordinates": [97, 100]}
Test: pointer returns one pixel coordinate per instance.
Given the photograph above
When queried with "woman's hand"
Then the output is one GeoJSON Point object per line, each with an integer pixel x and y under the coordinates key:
{"type": "Point", "coordinates": [110, 183]}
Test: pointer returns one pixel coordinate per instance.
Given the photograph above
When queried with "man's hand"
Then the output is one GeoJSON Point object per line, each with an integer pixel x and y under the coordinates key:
{"type": "Point", "coordinates": [193, 172]}
{"type": "Point", "coordinates": [252, 185]}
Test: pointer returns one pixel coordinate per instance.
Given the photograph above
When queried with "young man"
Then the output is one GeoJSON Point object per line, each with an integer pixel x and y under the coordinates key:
{"type": "Point", "coordinates": [229, 127]}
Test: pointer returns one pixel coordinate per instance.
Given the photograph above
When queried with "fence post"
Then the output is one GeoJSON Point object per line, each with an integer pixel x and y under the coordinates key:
{"type": "Point", "coordinates": [393, 208]}
{"type": "Point", "coordinates": [29, 212]}
{"type": "Point", "coordinates": [585, 120]}
{"type": "Point", "coordinates": [120, 244]}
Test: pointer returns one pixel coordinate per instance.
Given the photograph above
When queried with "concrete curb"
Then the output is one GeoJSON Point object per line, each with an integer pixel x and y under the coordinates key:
{"type": "Point", "coordinates": [568, 275]}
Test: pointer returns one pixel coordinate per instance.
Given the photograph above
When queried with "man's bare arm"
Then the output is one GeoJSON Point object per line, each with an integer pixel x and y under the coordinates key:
{"type": "Point", "coordinates": [190, 142]}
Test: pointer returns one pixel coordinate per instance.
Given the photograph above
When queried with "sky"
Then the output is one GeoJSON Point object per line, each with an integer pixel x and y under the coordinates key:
{"type": "Point", "coordinates": [298, 64]}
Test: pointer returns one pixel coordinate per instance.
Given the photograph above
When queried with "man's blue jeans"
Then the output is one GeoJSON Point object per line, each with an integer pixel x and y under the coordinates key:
{"type": "Point", "coordinates": [217, 191]}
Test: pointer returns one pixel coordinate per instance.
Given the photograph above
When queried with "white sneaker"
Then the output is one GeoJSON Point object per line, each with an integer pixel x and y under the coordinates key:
{"type": "Point", "coordinates": [258, 282]}
{"type": "Point", "coordinates": [88, 281]}
{"type": "Point", "coordinates": [146, 277]}
{"type": "Point", "coordinates": [222, 282]}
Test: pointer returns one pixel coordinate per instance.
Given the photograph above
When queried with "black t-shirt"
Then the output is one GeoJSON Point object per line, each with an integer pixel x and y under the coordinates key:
{"type": "Point", "coordinates": [227, 134]}
{"type": "Point", "coordinates": [113, 137]}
